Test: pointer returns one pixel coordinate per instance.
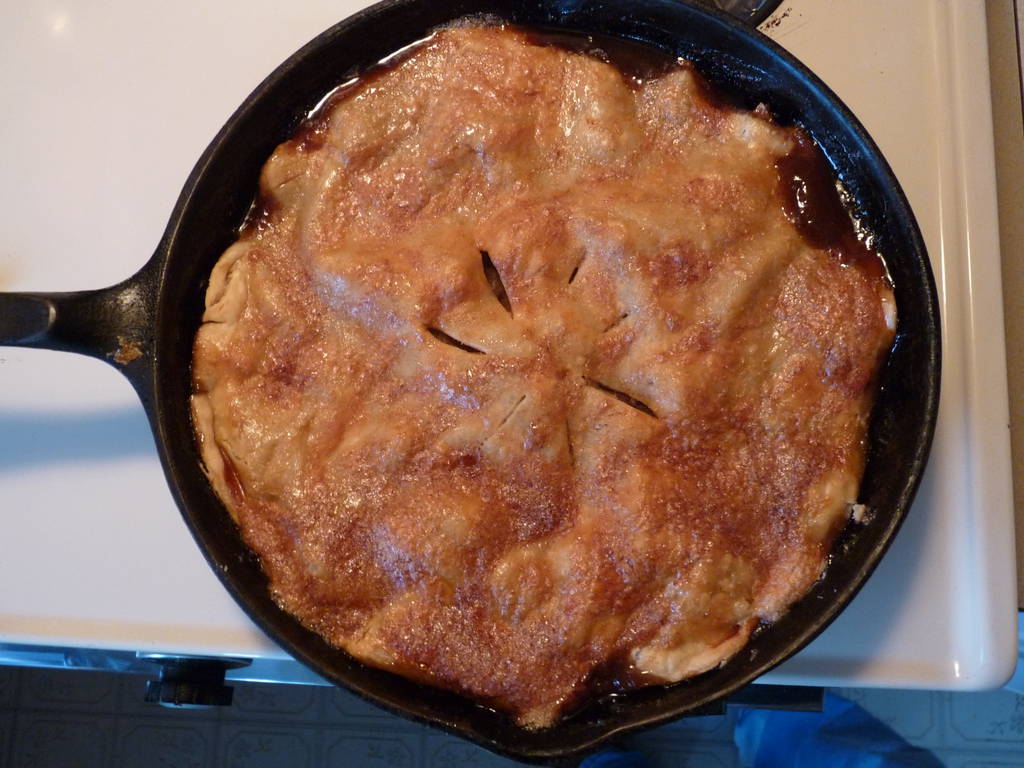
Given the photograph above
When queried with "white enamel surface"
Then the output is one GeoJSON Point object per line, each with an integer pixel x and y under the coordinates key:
{"type": "Point", "coordinates": [108, 105]}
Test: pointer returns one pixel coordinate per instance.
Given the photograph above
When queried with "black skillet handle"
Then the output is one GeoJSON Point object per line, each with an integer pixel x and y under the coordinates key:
{"type": "Point", "coordinates": [751, 12]}
{"type": "Point", "coordinates": [113, 324]}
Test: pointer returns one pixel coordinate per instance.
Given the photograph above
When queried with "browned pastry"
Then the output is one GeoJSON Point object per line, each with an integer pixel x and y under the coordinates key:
{"type": "Point", "coordinates": [524, 371]}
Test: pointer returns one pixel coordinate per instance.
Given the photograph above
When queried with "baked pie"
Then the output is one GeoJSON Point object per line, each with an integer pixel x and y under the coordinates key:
{"type": "Point", "coordinates": [529, 370]}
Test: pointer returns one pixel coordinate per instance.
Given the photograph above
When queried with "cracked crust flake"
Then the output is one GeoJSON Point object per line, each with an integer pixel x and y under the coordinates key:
{"type": "Point", "coordinates": [525, 371]}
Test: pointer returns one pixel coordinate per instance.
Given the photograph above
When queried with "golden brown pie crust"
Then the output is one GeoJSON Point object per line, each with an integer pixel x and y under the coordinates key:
{"type": "Point", "coordinates": [523, 371]}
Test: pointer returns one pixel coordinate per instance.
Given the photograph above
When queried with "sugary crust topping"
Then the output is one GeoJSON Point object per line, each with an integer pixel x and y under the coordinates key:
{"type": "Point", "coordinates": [524, 373]}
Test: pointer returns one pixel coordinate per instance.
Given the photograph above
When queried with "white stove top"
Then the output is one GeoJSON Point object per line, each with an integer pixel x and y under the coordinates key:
{"type": "Point", "coordinates": [110, 102]}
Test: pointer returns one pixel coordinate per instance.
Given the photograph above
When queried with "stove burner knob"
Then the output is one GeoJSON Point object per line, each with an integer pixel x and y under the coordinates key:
{"type": "Point", "coordinates": [191, 682]}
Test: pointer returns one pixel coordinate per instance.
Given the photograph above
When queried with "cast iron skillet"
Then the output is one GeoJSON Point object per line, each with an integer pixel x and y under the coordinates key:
{"type": "Point", "coordinates": [157, 311]}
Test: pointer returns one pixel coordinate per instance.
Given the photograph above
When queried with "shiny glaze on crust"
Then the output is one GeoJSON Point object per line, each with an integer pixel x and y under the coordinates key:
{"type": "Point", "coordinates": [526, 381]}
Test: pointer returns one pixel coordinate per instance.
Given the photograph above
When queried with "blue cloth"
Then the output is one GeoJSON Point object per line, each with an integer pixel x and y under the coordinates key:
{"type": "Point", "coordinates": [615, 759]}
{"type": "Point", "coordinates": [1016, 683]}
{"type": "Point", "coordinates": [842, 736]}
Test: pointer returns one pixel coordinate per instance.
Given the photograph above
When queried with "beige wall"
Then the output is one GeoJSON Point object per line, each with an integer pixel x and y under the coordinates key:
{"type": "Point", "coordinates": [1004, 33]}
